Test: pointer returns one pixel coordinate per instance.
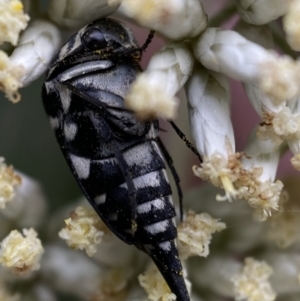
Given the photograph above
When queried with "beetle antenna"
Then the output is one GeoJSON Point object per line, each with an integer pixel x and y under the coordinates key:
{"type": "Point", "coordinates": [186, 141]}
{"type": "Point", "coordinates": [141, 49]}
{"type": "Point", "coordinates": [148, 41]}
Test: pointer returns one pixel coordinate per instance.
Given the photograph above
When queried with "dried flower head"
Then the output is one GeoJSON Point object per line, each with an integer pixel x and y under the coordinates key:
{"type": "Point", "coordinates": [252, 283]}
{"type": "Point", "coordinates": [155, 286]}
{"type": "Point", "coordinates": [10, 77]}
{"type": "Point", "coordinates": [150, 101]}
{"type": "Point", "coordinates": [195, 234]}
{"type": "Point", "coordinates": [279, 78]}
{"type": "Point", "coordinates": [12, 20]}
{"type": "Point", "coordinates": [21, 253]}
{"type": "Point", "coordinates": [84, 230]}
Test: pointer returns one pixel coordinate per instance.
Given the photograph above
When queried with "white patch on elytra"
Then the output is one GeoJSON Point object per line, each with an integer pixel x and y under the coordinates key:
{"type": "Point", "coordinates": [157, 227]}
{"type": "Point", "coordinates": [81, 165]}
{"type": "Point", "coordinates": [70, 131]}
{"type": "Point", "coordinates": [65, 97]}
{"type": "Point", "coordinates": [166, 246]}
{"type": "Point", "coordinates": [100, 199]}
{"type": "Point", "coordinates": [54, 122]}
{"type": "Point", "coordinates": [50, 87]}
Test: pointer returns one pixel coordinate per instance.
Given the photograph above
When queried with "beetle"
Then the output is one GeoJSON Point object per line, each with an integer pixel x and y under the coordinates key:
{"type": "Point", "coordinates": [117, 160]}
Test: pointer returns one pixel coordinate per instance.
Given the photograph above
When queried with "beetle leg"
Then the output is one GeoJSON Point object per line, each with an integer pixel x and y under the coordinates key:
{"type": "Point", "coordinates": [174, 174]}
{"type": "Point", "coordinates": [83, 95]}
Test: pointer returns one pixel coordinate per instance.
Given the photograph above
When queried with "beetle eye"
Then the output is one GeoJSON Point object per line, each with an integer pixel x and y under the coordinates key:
{"type": "Point", "coordinates": [93, 39]}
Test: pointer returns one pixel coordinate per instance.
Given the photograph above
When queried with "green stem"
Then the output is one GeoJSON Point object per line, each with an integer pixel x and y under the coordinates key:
{"type": "Point", "coordinates": [222, 16]}
{"type": "Point", "coordinates": [280, 41]}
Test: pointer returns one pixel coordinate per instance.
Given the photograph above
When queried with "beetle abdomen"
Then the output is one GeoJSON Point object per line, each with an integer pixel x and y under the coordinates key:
{"type": "Point", "coordinates": [107, 190]}
{"type": "Point", "coordinates": [154, 230]}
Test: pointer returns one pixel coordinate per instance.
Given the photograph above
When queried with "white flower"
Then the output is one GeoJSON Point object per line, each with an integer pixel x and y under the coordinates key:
{"type": "Point", "coordinates": [12, 20]}
{"type": "Point", "coordinates": [227, 52]}
{"type": "Point", "coordinates": [10, 77]}
{"type": "Point", "coordinates": [261, 154]}
{"type": "Point", "coordinates": [261, 11]}
{"type": "Point", "coordinates": [28, 206]}
{"type": "Point", "coordinates": [21, 253]}
{"type": "Point", "coordinates": [241, 228]}
{"type": "Point", "coordinates": [208, 98]}
{"type": "Point", "coordinates": [195, 234]}
{"type": "Point", "coordinates": [279, 78]}
{"type": "Point", "coordinates": [74, 14]}
{"type": "Point", "coordinates": [84, 230]}
{"type": "Point", "coordinates": [152, 94]}
{"type": "Point", "coordinates": [252, 283]}
{"type": "Point", "coordinates": [263, 105]}
{"type": "Point", "coordinates": [260, 165]}
{"type": "Point", "coordinates": [163, 16]}
{"type": "Point", "coordinates": [154, 284]}
{"type": "Point", "coordinates": [36, 49]}
{"type": "Point", "coordinates": [71, 271]}
{"type": "Point", "coordinates": [280, 121]}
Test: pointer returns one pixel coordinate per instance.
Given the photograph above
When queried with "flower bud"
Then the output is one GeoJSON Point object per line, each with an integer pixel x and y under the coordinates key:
{"type": "Point", "coordinates": [262, 11]}
{"type": "Point", "coordinates": [36, 49]}
{"type": "Point", "coordinates": [74, 14]}
{"type": "Point", "coordinates": [152, 94]}
{"type": "Point", "coordinates": [174, 19]}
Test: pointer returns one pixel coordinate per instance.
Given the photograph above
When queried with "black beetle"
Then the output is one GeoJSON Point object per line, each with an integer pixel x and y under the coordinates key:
{"type": "Point", "coordinates": [115, 158]}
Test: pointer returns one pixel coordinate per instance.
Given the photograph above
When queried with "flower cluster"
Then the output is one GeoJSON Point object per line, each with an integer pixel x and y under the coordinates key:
{"type": "Point", "coordinates": [248, 259]}
{"type": "Point", "coordinates": [19, 253]}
